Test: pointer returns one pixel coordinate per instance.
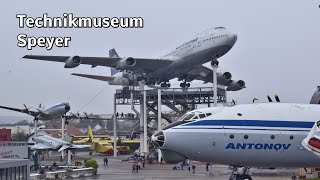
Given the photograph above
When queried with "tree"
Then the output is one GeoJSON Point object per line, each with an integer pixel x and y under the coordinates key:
{"type": "Point", "coordinates": [19, 136]}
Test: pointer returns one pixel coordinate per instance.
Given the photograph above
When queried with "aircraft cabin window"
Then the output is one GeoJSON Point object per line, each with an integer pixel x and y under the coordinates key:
{"type": "Point", "coordinates": [231, 136]}
{"type": "Point", "coordinates": [291, 137]}
{"type": "Point", "coordinates": [272, 137]}
{"type": "Point", "coordinates": [202, 116]}
{"type": "Point", "coordinates": [246, 136]}
{"type": "Point", "coordinates": [239, 114]}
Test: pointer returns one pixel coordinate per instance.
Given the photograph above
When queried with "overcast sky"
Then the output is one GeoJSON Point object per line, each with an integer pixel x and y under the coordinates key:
{"type": "Point", "coordinates": [277, 51]}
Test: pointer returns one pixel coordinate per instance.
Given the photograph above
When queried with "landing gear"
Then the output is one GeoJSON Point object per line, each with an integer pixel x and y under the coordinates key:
{"type": "Point", "coordinates": [214, 62]}
{"type": "Point", "coordinates": [184, 84]}
{"type": "Point", "coordinates": [165, 84]}
{"type": "Point", "coordinates": [236, 175]}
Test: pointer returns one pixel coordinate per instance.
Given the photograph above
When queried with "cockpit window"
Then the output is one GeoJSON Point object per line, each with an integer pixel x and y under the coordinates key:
{"type": "Point", "coordinates": [188, 117]}
{"type": "Point", "coordinates": [196, 117]}
{"type": "Point", "coordinates": [208, 114]}
{"type": "Point", "coordinates": [220, 28]}
{"type": "Point", "coordinates": [202, 116]}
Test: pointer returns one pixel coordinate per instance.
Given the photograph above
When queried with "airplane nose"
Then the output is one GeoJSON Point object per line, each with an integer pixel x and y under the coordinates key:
{"type": "Point", "coordinates": [67, 107]}
{"type": "Point", "coordinates": [235, 37]}
{"type": "Point", "coordinates": [158, 138]}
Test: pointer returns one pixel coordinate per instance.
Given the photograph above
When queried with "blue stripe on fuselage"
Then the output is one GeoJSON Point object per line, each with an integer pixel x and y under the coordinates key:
{"type": "Point", "coordinates": [257, 123]}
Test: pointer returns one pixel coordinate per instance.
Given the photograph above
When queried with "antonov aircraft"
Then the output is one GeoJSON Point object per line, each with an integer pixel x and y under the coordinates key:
{"type": "Point", "coordinates": [184, 62]}
{"type": "Point", "coordinates": [250, 135]}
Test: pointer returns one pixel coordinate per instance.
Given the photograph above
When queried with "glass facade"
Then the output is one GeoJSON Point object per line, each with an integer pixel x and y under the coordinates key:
{"type": "Point", "coordinates": [14, 173]}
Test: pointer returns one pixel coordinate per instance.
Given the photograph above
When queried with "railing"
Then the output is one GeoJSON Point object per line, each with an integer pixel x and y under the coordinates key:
{"type": "Point", "coordinates": [13, 143]}
{"type": "Point", "coordinates": [198, 95]}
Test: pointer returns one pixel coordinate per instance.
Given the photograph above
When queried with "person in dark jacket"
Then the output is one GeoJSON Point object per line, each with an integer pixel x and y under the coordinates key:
{"type": "Point", "coordinates": [193, 169]}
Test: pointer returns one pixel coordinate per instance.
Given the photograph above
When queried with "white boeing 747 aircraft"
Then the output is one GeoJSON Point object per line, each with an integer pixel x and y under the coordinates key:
{"type": "Point", "coordinates": [249, 135]}
{"type": "Point", "coordinates": [184, 62]}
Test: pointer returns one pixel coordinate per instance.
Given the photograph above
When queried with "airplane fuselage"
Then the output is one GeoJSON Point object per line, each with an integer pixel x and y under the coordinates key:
{"type": "Point", "coordinates": [254, 135]}
{"type": "Point", "coordinates": [206, 46]}
{"type": "Point", "coordinates": [54, 112]}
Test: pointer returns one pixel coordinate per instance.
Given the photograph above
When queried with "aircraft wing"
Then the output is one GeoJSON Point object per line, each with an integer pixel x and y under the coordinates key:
{"type": "Point", "coordinates": [101, 78]}
{"type": "Point", "coordinates": [201, 73]}
{"type": "Point", "coordinates": [40, 146]}
{"type": "Point", "coordinates": [312, 141]}
{"type": "Point", "coordinates": [140, 63]}
{"type": "Point", "coordinates": [26, 111]}
{"type": "Point", "coordinates": [72, 146]}
{"type": "Point", "coordinates": [205, 74]}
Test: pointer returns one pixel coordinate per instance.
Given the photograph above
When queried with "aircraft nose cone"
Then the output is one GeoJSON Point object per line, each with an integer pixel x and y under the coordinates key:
{"type": "Point", "coordinates": [67, 107]}
{"type": "Point", "coordinates": [235, 37]}
{"type": "Point", "coordinates": [158, 138]}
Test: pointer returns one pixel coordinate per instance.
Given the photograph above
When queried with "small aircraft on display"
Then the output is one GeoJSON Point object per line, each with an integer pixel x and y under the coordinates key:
{"type": "Point", "coordinates": [104, 144]}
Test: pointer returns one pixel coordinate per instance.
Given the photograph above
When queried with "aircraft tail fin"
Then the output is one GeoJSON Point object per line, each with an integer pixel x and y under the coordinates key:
{"type": "Point", "coordinates": [113, 54]}
{"type": "Point", "coordinates": [90, 134]}
{"type": "Point", "coordinates": [315, 99]}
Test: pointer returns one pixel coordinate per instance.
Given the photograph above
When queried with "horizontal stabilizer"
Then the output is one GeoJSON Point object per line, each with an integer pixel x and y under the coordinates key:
{"type": "Point", "coordinates": [96, 77]}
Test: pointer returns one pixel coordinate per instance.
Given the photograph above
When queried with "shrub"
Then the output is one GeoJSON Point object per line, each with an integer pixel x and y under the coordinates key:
{"type": "Point", "coordinates": [91, 163]}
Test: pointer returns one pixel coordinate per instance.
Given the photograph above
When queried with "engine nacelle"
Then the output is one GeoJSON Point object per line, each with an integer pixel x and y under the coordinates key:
{"type": "Point", "coordinates": [126, 63]}
{"type": "Point", "coordinates": [172, 156]}
{"type": "Point", "coordinates": [72, 62]}
{"type": "Point", "coordinates": [120, 81]}
{"type": "Point", "coordinates": [224, 78]}
{"type": "Point", "coordinates": [236, 85]}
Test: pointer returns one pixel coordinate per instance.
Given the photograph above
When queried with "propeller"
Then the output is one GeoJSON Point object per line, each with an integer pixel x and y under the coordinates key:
{"type": "Point", "coordinates": [277, 98]}
{"type": "Point", "coordinates": [269, 99]}
{"type": "Point", "coordinates": [27, 109]}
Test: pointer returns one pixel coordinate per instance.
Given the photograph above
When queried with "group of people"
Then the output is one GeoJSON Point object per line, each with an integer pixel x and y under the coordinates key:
{"type": "Point", "coordinates": [182, 164]}
{"type": "Point", "coordinates": [137, 161]}
{"type": "Point", "coordinates": [129, 115]}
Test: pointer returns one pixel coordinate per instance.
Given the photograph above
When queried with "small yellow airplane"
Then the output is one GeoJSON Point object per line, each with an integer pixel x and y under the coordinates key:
{"type": "Point", "coordinates": [105, 144]}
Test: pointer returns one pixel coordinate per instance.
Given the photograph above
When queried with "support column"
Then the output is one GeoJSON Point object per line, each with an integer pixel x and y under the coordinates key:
{"type": "Point", "coordinates": [69, 158]}
{"type": "Point", "coordinates": [214, 65]}
{"type": "Point", "coordinates": [142, 113]}
{"type": "Point", "coordinates": [145, 124]}
{"type": "Point", "coordinates": [114, 126]}
{"type": "Point", "coordinates": [159, 120]}
{"type": "Point", "coordinates": [62, 133]}
{"type": "Point", "coordinates": [35, 127]}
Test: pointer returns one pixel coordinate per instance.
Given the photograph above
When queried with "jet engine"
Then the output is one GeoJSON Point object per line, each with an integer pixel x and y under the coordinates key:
{"type": "Point", "coordinates": [236, 85]}
{"type": "Point", "coordinates": [72, 62]}
{"type": "Point", "coordinates": [125, 63]}
{"type": "Point", "coordinates": [224, 78]}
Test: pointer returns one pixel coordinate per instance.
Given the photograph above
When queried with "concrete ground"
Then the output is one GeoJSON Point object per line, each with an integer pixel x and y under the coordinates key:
{"type": "Point", "coordinates": [119, 170]}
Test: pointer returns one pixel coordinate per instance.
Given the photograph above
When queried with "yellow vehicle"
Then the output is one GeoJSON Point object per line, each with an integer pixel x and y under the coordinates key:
{"type": "Point", "coordinates": [105, 143]}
